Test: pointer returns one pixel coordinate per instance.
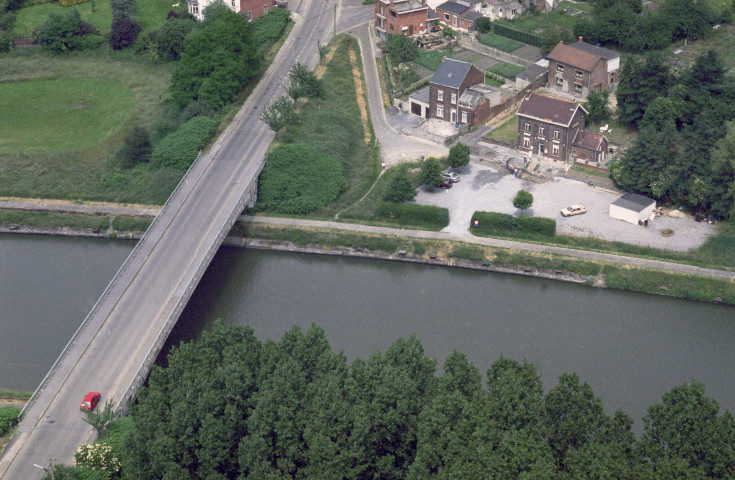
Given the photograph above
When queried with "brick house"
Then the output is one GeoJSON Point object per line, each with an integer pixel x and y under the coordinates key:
{"type": "Point", "coordinates": [450, 13]}
{"type": "Point", "coordinates": [401, 17]}
{"type": "Point", "coordinates": [251, 9]}
{"type": "Point", "coordinates": [458, 94]}
{"type": "Point", "coordinates": [554, 128]}
{"type": "Point", "coordinates": [581, 68]}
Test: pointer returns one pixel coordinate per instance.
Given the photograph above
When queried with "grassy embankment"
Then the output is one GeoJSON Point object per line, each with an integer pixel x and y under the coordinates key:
{"type": "Point", "coordinates": [596, 273]}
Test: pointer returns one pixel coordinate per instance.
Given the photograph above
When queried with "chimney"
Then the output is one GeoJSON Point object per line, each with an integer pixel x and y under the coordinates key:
{"type": "Point", "coordinates": [580, 39]}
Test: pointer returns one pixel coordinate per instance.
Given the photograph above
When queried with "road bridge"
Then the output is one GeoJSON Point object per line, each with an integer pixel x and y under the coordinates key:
{"type": "Point", "coordinates": [113, 349]}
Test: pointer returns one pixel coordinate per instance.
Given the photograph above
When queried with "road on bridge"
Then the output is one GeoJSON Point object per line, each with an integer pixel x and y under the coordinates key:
{"type": "Point", "coordinates": [112, 349]}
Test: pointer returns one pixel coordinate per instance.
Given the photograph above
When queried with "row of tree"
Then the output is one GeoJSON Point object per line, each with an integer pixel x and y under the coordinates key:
{"type": "Point", "coordinates": [229, 406]}
{"type": "Point", "coordinates": [686, 126]}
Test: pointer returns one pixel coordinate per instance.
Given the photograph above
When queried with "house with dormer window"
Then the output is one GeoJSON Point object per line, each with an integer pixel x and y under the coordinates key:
{"type": "Point", "coordinates": [458, 94]}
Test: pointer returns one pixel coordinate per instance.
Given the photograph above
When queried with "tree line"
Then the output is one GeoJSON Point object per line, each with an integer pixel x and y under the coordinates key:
{"type": "Point", "coordinates": [685, 118]}
{"type": "Point", "coordinates": [229, 406]}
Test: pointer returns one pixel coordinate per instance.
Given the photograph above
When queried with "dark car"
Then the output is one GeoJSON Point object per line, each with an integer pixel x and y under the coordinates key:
{"type": "Point", "coordinates": [90, 401]}
{"type": "Point", "coordinates": [446, 183]}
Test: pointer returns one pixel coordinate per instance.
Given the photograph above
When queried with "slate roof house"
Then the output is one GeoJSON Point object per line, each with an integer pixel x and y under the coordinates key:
{"type": "Point", "coordinates": [404, 17]}
{"type": "Point", "coordinates": [458, 94]}
{"type": "Point", "coordinates": [251, 9]}
{"type": "Point", "coordinates": [554, 128]}
{"type": "Point", "coordinates": [581, 68]}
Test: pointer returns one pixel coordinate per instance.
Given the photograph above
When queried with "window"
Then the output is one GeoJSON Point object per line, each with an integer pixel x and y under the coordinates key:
{"type": "Point", "coordinates": [194, 10]}
{"type": "Point", "coordinates": [265, 9]}
{"type": "Point", "coordinates": [555, 150]}
{"type": "Point", "coordinates": [559, 67]}
{"type": "Point", "coordinates": [454, 98]}
{"type": "Point", "coordinates": [541, 131]}
{"type": "Point", "coordinates": [440, 111]}
{"type": "Point", "coordinates": [578, 73]}
{"type": "Point", "coordinates": [392, 28]}
{"type": "Point", "coordinates": [446, 17]}
{"type": "Point", "coordinates": [527, 127]}
{"type": "Point", "coordinates": [393, 14]}
{"type": "Point", "coordinates": [464, 117]}
{"type": "Point", "coordinates": [249, 15]}
{"type": "Point", "coordinates": [559, 81]}
{"type": "Point", "coordinates": [556, 133]}
{"type": "Point", "coordinates": [577, 88]}
{"type": "Point", "coordinates": [232, 3]}
{"type": "Point", "coordinates": [526, 143]}
{"type": "Point", "coordinates": [382, 9]}
{"type": "Point", "coordinates": [440, 95]}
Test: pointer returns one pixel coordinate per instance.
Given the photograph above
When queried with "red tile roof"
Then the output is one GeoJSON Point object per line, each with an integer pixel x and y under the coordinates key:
{"type": "Point", "coordinates": [574, 57]}
{"type": "Point", "coordinates": [589, 140]}
{"type": "Point", "coordinates": [547, 109]}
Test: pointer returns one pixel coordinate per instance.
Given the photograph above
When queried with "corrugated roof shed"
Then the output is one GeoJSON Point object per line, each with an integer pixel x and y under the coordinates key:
{"type": "Point", "coordinates": [634, 202]}
{"type": "Point", "coordinates": [451, 73]}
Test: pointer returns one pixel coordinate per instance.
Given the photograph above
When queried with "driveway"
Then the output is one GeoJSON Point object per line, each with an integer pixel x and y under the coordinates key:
{"type": "Point", "coordinates": [486, 186]}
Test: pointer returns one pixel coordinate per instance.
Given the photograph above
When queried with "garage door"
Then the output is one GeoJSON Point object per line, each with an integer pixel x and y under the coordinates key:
{"type": "Point", "coordinates": [416, 109]}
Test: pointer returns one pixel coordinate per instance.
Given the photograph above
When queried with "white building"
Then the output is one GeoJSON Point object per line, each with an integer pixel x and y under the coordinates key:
{"type": "Point", "coordinates": [632, 208]}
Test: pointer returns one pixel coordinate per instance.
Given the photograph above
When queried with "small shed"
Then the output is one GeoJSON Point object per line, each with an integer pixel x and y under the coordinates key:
{"type": "Point", "coordinates": [632, 208]}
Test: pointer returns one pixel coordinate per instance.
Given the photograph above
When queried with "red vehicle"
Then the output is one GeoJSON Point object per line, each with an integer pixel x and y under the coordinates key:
{"type": "Point", "coordinates": [90, 401]}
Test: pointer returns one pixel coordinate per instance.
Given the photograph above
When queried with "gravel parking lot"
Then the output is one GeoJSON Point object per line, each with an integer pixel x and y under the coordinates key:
{"type": "Point", "coordinates": [486, 186]}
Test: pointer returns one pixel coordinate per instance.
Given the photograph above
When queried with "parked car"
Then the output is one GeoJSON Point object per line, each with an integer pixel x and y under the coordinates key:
{"type": "Point", "coordinates": [90, 401]}
{"type": "Point", "coordinates": [573, 210]}
{"type": "Point", "coordinates": [446, 183]}
{"type": "Point", "coordinates": [453, 177]}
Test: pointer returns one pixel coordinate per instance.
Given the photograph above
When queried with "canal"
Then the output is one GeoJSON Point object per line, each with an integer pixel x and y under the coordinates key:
{"type": "Point", "coordinates": [631, 348]}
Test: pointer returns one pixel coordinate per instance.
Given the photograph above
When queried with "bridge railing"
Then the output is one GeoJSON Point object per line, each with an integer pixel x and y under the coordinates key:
{"type": "Point", "coordinates": [142, 373]}
{"type": "Point", "coordinates": [106, 293]}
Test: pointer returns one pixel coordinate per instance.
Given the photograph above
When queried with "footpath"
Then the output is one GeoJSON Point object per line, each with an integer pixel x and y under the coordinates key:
{"type": "Point", "coordinates": [467, 237]}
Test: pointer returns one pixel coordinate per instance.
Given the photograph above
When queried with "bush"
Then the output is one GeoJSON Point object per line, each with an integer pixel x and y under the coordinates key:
{"type": "Point", "coordinates": [493, 223]}
{"type": "Point", "coordinates": [136, 149]}
{"type": "Point", "coordinates": [459, 155]}
{"type": "Point", "coordinates": [8, 418]}
{"type": "Point", "coordinates": [6, 41]}
{"type": "Point", "coordinates": [64, 33]}
{"type": "Point", "coordinates": [297, 179]}
{"type": "Point", "coordinates": [124, 32]}
{"type": "Point", "coordinates": [98, 457]}
{"type": "Point", "coordinates": [169, 39]}
{"type": "Point", "coordinates": [180, 148]}
{"type": "Point", "coordinates": [401, 48]}
{"type": "Point", "coordinates": [304, 82]}
{"type": "Point", "coordinates": [484, 25]}
{"type": "Point", "coordinates": [400, 188]}
{"type": "Point", "coordinates": [431, 173]}
{"type": "Point", "coordinates": [413, 215]}
{"type": "Point", "coordinates": [269, 27]}
{"type": "Point", "coordinates": [71, 3]}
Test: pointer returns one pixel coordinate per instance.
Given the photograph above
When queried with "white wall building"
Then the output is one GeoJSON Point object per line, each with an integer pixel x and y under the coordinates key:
{"type": "Point", "coordinates": [632, 208]}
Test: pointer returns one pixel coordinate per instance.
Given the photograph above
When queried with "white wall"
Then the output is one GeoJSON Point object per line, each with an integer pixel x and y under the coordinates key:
{"type": "Point", "coordinates": [629, 215]}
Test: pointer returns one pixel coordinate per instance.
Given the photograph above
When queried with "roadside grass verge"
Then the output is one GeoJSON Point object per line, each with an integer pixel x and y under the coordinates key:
{"type": "Point", "coordinates": [372, 209]}
{"type": "Point", "coordinates": [131, 224]}
{"type": "Point", "coordinates": [14, 395]}
{"type": "Point", "coordinates": [331, 124]}
{"type": "Point", "coordinates": [507, 70]}
{"type": "Point", "coordinates": [619, 277]}
{"type": "Point", "coordinates": [504, 44]}
{"type": "Point", "coordinates": [53, 220]}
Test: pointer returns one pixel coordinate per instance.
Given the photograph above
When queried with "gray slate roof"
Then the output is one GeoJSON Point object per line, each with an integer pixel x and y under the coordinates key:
{"type": "Point", "coordinates": [431, 15]}
{"type": "Point", "coordinates": [595, 50]}
{"type": "Point", "coordinates": [452, 7]}
{"type": "Point", "coordinates": [472, 16]}
{"type": "Point", "coordinates": [634, 202]}
{"type": "Point", "coordinates": [422, 95]}
{"type": "Point", "coordinates": [451, 73]}
{"type": "Point", "coordinates": [532, 73]}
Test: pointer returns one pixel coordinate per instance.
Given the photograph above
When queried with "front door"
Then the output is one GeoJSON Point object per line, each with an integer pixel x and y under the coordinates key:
{"type": "Point", "coordinates": [541, 148]}
{"type": "Point", "coordinates": [454, 116]}
{"type": "Point", "coordinates": [410, 30]}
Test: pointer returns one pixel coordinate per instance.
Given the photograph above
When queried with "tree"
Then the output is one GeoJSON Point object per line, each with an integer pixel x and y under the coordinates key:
{"type": "Point", "coordinates": [278, 114]}
{"type": "Point", "coordinates": [459, 155]}
{"type": "Point", "coordinates": [640, 83]}
{"type": "Point", "coordinates": [124, 32]}
{"type": "Point", "coordinates": [597, 106]}
{"type": "Point", "coordinates": [136, 149]}
{"type": "Point", "coordinates": [400, 188]}
{"type": "Point", "coordinates": [523, 200]}
{"type": "Point", "coordinates": [217, 61]}
{"type": "Point", "coordinates": [101, 418]}
{"type": "Point", "coordinates": [64, 33]}
{"type": "Point", "coordinates": [484, 25]}
{"type": "Point", "coordinates": [551, 37]}
{"type": "Point", "coordinates": [722, 187]}
{"type": "Point", "coordinates": [127, 8]}
{"type": "Point", "coordinates": [688, 19]}
{"type": "Point", "coordinates": [98, 456]}
{"type": "Point", "coordinates": [401, 48]}
{"type": "Point", "coordinates": [304, 82]}
{"type": "Point", "coordinates": [431, 173]}
{"type": "Point", "coordinates": [169, 39]}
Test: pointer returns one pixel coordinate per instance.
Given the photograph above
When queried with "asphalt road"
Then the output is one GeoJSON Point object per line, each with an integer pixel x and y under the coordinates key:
{"type": "Point", "coordinates": [133, 316]}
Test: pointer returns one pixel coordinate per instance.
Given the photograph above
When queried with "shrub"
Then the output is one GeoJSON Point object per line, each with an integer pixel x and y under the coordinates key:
{"type": "Point", "coordinates": [304, 82]}
{"type": "Point", "coordinates": [71, 3]}
{"type": "Point", "coordinates": [459, 155]}
{"type": "Point", "coordinates": [297, 179]}
{"type": "Point", "coordinates": [63, 33]}
{"type": "Point", "coordinates": [8, 418]}
{"type": "Point", "coordinates": [401, 48]}
{"type": "Point", "coordinates": [400, 188]}
{"type": "Point", "coordinates": [6, 41]}
{"type": "Point", "coordinates": [180, 148]}
{"type": "Point", "coordinates": [124, 32]}
{"type": "Point", "coordinates": [484, 25]}
{"type": "Point", "coordinates": [270, 27]}
{"type": "Point", "coordinates": [136, 149]}
{"type": "Point", "coordinates": [98, 457]}
{"type": "Point", "coordinates": [413, 215]}
{"type": "Point", "coordinates": [493, 223]}
{"type": "Point", "coordinates": [431, 173]}
{"type": "Point", "coordinates": [169, 39]}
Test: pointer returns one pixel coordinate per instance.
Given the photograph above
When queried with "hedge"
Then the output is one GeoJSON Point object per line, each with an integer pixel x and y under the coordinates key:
{"type": "Point", "coordinates": [524, 37]}
{"type": "Point", "coordinates": [180, 148]}
{"type": "Point", "coordinates": [493, 223]}
{"type": "Point", "coordinates": [413, 215]}
{"type": "Point", "coordinates": [71, 3]}
{"type": "Point", "coordinates": [8, 418]}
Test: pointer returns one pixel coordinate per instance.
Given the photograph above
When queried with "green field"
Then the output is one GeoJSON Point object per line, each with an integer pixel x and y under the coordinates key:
{"type": "Point", "coordinates": [504, 44]}
{"type": "Point", "coordinates": [69, 116]}
{"type": "Point", "coordinates": [432, 58]}
{"type": "Point", "coordinates": [506, 70]}
{"type": "Point", "coordinates": [151, 15]}
{"type": "Point", "coordinates": [48, 116]}
{"type": "Point", "coordinates": [507, 132]}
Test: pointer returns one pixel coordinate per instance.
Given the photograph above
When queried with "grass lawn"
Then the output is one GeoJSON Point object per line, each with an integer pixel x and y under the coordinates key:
{"type": "Point", "coordinates": [151, 15]}
{"type": "Point", "coordinates": [721, 41]}
{"type": "Point", "coordinates": [69, 135]}
{"type": "Point", "coordinates": [539, 22]}
{"type": "Point", "coordinates": [506, 70]}
{"type": "Point", "coordinates": [507, 132]}
{"type": "Point", "coordinates": [504, 44]}
{"type": "Point", "coordinates": [621, 134]}
{"type": "Point", "coordinates": [49, 116]}
{"type": "Point", "coordinates": [492, 81]}
{"type": "Point", "coordinates": [432, 58]}
{"type": "Point", "coordinates": [584, 7]}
